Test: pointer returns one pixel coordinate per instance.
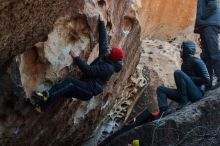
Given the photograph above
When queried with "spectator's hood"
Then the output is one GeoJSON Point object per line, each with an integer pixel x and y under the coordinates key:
{"type": "Point", "coordinates": [188, 48]}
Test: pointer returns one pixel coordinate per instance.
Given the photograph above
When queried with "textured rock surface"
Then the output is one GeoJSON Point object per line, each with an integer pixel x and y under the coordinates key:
{"type": "Point", "coordinates": [50, 62]}
{"type": "Point", "coordinates": [20, 31]}
{"type": "Point", "coordinates": [71, 24]}
{"type": "Point", "coordinates": [70, 122]}
{"type": "Point", "coordinates": [196, 124]}
{"type": "Point", "coordinates": [24, 23]}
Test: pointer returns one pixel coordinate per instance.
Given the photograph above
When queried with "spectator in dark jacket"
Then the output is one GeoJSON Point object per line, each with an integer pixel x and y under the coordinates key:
{"type": "Point", "coordinates": [208, 26]}
{"type": "Point", "coordinates": [95, 75]}
{"type": "Point", "coordinates": [191, 80]}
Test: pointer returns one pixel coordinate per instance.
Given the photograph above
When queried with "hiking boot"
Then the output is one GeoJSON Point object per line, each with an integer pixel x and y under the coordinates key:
{"type": "Point", "coordinates": [44, 96]}
{"type": "Point", "coordinates": [182, 105]}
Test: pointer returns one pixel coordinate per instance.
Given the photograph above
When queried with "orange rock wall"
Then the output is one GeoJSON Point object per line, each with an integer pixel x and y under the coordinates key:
{"type": "Point", "coordinates": [164, 19]}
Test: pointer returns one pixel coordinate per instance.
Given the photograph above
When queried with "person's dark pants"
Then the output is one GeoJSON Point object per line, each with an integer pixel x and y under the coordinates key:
{"type": "Point", "coordinates": [210, 49]}
{"type": "Point", "coordinates": [186, 91]}
{"type": "Point", "coordinates": [69, 88]}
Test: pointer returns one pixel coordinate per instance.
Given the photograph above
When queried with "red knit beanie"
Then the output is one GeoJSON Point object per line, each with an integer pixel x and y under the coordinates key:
{"type": "Point", "coordinates": [117, 54]}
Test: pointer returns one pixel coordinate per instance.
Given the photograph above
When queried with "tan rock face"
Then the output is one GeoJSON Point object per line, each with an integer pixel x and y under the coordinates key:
{"type": "Point", "coordinates": [24, 23]}
{"type": "Point", "coordinates": [42, 66]}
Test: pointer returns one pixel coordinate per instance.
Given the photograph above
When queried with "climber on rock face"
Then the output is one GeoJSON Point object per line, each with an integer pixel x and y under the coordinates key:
{"type": "Point", "coordinates": [208, 26]}
{"type": "Point", "coordinates": [94, 78]}
{"type": "Point", "coordinates": [191, 81]}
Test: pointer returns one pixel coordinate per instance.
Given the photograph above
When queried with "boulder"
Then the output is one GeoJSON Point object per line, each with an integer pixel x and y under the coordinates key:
{"type": "Point", "coordinates": [196, 124]}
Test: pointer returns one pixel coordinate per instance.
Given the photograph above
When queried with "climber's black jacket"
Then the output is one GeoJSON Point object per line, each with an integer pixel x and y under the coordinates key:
{"type": "Point", "coordinates": [196, 70]}
{"type": "Point", "coordinates": [101, 69]}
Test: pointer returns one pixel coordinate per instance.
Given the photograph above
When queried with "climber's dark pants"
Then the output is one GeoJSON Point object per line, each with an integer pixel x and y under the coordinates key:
{"type": "Point", "coordinates": [210, 49]}
{"type": "Point", "coordinates": [69, 88]}
{"type": "Point", "coordinates": [186, 91]}
{"type": "Point", "coordinates": [141, 119]}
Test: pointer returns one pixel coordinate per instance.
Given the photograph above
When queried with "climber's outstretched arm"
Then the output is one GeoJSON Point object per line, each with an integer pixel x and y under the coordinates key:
{"type": "Point", "coordinates": [103, 39]}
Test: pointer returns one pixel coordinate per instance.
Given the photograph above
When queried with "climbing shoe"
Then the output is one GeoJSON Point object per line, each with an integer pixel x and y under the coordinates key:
{"type": "Point", "coordinates": [155, 114]}
{"type": "Point", "coordinates": [42, 95]}
{"type": "Point", "coordinates": [38, 109]}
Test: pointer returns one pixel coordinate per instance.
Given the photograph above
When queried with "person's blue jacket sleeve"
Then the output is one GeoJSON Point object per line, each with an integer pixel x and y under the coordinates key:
{"type": "Point", "coordinates": [204, 77]}
{"type": "Point", "coordinates": [212, 6]}
{"type": "Point", "coordinates": [103, 39]}
{"type": "Point", "coordinates": [94, 70]}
